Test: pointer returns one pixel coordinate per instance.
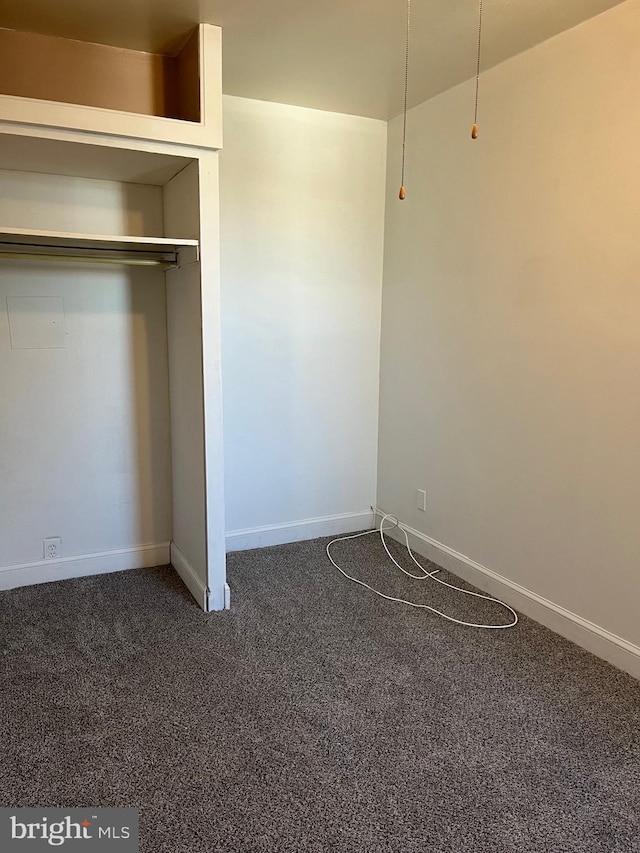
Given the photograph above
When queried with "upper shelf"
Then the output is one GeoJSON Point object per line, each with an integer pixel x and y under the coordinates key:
{"type": "Point", "coordinates": [51, 245]}
{"type": "Point", "coordinates": [46, 81]}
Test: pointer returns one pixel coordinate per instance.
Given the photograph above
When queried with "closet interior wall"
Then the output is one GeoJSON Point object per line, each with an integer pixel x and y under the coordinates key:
{"type": "Point", "coordinates": [85, 439]}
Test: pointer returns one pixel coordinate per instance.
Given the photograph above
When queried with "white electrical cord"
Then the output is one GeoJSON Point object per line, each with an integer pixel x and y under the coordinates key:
{"type": "Point", "coordinates": [425, 574]}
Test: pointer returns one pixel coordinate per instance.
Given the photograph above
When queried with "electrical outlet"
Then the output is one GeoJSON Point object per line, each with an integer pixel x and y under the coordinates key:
{"type": "Point", "coordinates": [52, 548]}
{"type": "Point", "coordinates": [421, 500]}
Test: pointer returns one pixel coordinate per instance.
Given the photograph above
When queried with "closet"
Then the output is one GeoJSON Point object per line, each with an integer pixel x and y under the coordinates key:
{"type": "Point", "coordinates": [111, 422]}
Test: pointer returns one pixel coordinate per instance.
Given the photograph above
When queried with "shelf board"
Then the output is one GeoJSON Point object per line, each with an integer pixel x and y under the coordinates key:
{"type": "Point", "coordinates": [87, 242]}
{"type": "Point", "coordinates": [26, 243]}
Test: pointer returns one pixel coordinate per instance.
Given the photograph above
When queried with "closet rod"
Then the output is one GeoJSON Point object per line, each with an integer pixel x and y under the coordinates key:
{"type": "Point", "coordinates": [90, 259]}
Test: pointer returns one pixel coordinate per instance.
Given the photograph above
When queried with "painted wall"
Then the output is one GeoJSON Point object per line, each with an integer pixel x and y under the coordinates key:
{"type": "Point", "coordinates": [510, 338]}
{"type": "Point", "coordinates": [302, 219]}
{"type": "Point", "coordinates": [84, 435]}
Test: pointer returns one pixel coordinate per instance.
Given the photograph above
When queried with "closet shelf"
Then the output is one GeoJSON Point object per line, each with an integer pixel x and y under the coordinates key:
{"type": "Point", "coordinates": [26, 243]}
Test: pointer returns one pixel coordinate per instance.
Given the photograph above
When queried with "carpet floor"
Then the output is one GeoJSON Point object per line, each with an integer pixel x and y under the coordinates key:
{"type": "Point", "coordinates": [313, 716]}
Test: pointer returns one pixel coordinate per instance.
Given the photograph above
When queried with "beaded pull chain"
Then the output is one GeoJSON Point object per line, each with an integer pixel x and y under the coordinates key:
{"type": "Point", "coordinates": [474, 129]}
{"type": "Point", "coordinates": [402, 194]}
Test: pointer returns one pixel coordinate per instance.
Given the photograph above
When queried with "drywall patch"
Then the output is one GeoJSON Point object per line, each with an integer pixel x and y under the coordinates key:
{"type": "Point", "coordinates": [36, 322]}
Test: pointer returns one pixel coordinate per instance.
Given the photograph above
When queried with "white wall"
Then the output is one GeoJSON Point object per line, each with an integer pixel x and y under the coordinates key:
{"type": "Point", "coordinates": [87, 205]}
{"type": "Point", "coordinates": [511, 343]}
{"type": "Point", "coordinates": [302, 212]}
{"type": "Point", "coordinates": [84, 435]}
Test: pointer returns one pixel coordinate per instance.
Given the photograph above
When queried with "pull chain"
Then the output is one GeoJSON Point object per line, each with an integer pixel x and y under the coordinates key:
{"type": "Point", "coordinates": [402, 193]}
{"type": "Point", "coordinates": [474, 129]}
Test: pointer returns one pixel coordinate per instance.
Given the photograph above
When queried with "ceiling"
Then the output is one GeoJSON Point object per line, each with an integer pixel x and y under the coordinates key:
{"type": "Point", "coordinates": [340, 55]}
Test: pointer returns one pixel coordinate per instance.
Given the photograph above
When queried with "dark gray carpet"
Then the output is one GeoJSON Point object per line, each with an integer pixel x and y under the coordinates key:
{"type": "Point", "coordinates": [313, 716]}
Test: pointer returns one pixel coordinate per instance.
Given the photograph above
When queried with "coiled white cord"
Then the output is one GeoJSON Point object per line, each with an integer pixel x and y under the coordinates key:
{"type": "Point", "coordinates": [425, 574]}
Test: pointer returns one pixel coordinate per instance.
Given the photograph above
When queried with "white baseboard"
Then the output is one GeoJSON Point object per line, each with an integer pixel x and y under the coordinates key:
{"type": "Point", "coordinates": [206, 597]}
{"type": "Point", "coordinates": [194, 584]}
{"type": "Point", "coordinates": [46, 571]}
{"type": "Point", "coordinates": [588, 635]}
{"type": "Point", "coordinates": [297, 531]}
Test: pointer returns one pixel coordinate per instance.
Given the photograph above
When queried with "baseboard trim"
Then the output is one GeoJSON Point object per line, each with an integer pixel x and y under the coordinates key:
{"type": "Point", "coordinates": [189, 576]}
{"type": "Point", "coordinates": [104, 562]}
{"type": "Point", "coordinates": [297, 531]}
{"type": "Point", "coordinates": [600, 642]}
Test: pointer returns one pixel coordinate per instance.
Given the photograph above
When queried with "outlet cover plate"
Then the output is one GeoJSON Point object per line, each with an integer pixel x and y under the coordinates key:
{"type": "Point", "coordinates": [52, 548]}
